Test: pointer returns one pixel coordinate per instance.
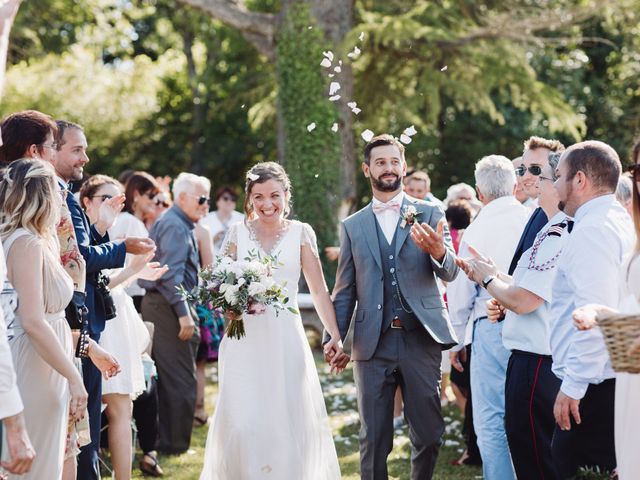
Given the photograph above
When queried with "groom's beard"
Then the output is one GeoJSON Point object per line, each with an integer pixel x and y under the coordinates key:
{"type": "Point", "coordinates": [382, 186]}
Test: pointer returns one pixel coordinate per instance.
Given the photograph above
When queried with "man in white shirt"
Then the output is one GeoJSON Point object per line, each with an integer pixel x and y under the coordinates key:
{"type": "Point", "coordinates": [494, 233]}
{"type": "Point", "coordinates": [18, 450]}
{"type": "Point", "coordinates": [531, 387]}
{"type": "Point", "coordinates": [588, 272]}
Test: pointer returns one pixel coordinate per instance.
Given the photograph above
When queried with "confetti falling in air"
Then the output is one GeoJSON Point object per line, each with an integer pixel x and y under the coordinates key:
{"type": "Point", "coordinates": [333, 88]}
{"type": "Point", "coordinates": [316, 175]}
{"type": "Point", "coordinates": [410, 131]}
{"type": "Point", "coordinates": [355, 54]}
{"type": "Point", "coordinates": [337, 69]}
{"type": "Point", "coordinates": [334, 127]}
{"type": "Point", "coordinates": [329, 55]}
{"type": "Point", "coordinates": [444, 69]}
{"type": "Point", "coordinates": [405, 139]}
{"type": "Point", "coordinates": [352, 104]}
{"type": "Point", "coordinates": [334, 98]}
{"type": "Point", "coordinates": [355, 111]}
{"type": "Point", "coordinates": [326, 63]}
{"type": "Point", "coordinates": [311, 127]}
{"type": "Point", "coordinates": [242, 106]}
{"type": "Point", "coordinates": [361, 36]}
{"type": "Point", "coordinates": [331, 75]}
{"type": "Point", "coordinates": [367, 135]}
{"type": "Point", "coordinates": [310, 27]}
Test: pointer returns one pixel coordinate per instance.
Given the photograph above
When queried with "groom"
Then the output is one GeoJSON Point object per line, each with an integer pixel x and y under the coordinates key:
{"type": "Point", "coordinates": [401, 325]}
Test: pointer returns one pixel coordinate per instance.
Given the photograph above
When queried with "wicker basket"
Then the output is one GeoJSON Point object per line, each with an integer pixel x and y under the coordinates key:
{"type": "Point", "coordinates": [619, 332]}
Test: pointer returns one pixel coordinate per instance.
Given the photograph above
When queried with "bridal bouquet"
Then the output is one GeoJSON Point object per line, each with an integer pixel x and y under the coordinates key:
{"type": "Point", "coordinates": [239, 287]}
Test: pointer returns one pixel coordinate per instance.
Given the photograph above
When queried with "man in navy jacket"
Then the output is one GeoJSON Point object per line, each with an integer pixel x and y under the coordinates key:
{"type": "Point", "coordinates": [99, 253]}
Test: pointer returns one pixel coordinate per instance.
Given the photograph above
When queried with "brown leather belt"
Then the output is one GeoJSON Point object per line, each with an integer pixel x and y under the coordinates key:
{"type": "Point", "coordinates": [396, 323]}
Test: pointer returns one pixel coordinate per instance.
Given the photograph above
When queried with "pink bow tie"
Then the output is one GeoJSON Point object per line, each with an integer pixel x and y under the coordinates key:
{"type": "Point", "coordinates": [381, 207]}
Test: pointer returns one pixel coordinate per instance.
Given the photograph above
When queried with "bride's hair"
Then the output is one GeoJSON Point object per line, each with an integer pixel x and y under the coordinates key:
{"type": "Point", "coordinates": [29, 198]}
{"type": "Point", "coordinates": [263, 172]}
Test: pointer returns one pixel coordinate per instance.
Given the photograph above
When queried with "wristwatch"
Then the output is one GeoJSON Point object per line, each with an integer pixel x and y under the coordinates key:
{"type": "Point", "coordinates": [487, 280]}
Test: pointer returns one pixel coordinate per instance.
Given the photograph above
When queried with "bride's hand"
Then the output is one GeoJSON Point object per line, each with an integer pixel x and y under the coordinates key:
{"type": "Point", "coordinates": [334, 355]}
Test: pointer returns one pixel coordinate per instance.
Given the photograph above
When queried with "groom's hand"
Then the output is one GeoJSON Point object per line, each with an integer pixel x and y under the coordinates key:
{"type": "Point", "coordinates": [429, 240]}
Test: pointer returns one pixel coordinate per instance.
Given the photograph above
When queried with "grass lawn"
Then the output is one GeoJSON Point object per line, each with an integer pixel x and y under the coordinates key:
{"type": "Point", "coordinates": [340, 397]}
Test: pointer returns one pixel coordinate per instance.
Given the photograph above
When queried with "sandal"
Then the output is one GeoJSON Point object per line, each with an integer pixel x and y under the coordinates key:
{"type": "Point", "coordinates": [150, 467]}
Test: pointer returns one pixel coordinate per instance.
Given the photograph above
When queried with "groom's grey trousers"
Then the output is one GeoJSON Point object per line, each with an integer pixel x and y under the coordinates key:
{"type": "Point", "coordinates": [384, 281]}
{"type": "Point", "coordinates": [411, 360]}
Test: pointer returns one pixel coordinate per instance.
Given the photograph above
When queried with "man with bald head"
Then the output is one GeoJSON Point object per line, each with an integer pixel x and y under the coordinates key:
{"type": "Point", "coordinates": [587, 273]}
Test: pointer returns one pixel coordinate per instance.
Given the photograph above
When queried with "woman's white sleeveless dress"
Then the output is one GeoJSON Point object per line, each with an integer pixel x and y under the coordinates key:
{"type": "Point", "coordinates": [270, 420]}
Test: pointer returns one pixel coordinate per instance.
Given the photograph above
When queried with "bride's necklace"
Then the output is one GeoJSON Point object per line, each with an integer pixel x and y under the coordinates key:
{"type": "Point", "coordinates": [253, 235]}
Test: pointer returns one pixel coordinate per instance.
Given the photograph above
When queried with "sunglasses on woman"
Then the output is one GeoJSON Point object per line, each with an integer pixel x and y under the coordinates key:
{"type": "Point", "coordinates": [103, 197]}
{"type": "Point", "coordinates": [534, 170]}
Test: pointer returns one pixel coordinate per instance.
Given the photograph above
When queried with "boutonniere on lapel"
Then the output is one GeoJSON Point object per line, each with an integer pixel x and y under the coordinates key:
{"type": "Point", "coordinates": [409, 215]}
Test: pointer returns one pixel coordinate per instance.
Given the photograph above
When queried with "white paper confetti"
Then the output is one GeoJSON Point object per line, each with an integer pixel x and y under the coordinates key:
{"type": "Point", "coordinates": [331, 75]}
{"type": "Point", "coordinates": [334, 98]}
{"type": "Point", "coordinates": [334, 127]}
{"type": "Point", "coordinates": [337, 69]}
{"type": "Point", "coordinates": [316, 175]}
{"type": "Point", "coordinates": [310, 27]}
{"type": "Point", "coordinates": [352, 104]}
{"type": "Point", "coordinates": [242, 106]}
{"type": "Point", "coordinates": [326, 63]}
{"type": "Point", "coordinates": [367, 135]}
{"type": "Point", "coordinates": [333, 88]}
{"type": "Point", "coordinates": [354, 54]}
{"type": "Point", "coordinates": [361, 36]}
{"type": "Point", "coordinates": [405, 139]}
{"type": "Point", "coordinates": [329, 55]}
{"type": "Point", "coordinates": [340, 62]}
{"type": "Point", "coordinates": [311, 127]}
{"type": "Point", "coordinates": [444, 69]}
{"type": "Point", "coordinates": [410, 131]}
{"type": "Point", "coordinates": [356, 110]}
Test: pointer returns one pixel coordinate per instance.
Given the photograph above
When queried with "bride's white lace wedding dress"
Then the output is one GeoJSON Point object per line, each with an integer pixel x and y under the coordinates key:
{"type": "Point", "coordinates": [270, 420]}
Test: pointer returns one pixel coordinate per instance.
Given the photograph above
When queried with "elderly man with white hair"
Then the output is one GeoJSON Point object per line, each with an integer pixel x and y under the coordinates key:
{"type": "Point", "coordinates": [494, 234]}
{"type": "Point", "coordinates": [176, 338]}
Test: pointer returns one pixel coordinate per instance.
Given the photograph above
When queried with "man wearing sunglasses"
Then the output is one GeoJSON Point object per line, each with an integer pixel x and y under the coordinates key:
{"type": "Point", "coordinates": [534, 158]}
{"type": "Point", "coordinates": [176, 339]}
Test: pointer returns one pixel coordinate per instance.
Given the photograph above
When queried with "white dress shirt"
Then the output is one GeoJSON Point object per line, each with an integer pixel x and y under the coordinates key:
{"type": "Point", "coordinates": [388, 219]}
{"type": "Point", "coordinates": [529, 332]}
{"type": "Point", "coordinates": [494, 233]}
{"type": "Point", "coordinates": [10, 401]}
{"type": "Point", "coordinates": [588, 272]}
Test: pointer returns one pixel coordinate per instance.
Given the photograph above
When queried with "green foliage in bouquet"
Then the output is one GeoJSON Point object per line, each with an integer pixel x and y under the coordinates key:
{"type": "Point", "coordinates": [240, 287]}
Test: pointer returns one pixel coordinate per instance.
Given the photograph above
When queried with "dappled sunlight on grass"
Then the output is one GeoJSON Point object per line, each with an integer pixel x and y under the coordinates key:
{"type": "Point", "coordinates": [340, 397]}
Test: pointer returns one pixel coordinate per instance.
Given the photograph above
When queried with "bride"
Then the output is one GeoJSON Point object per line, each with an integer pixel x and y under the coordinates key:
{"type": "Point", "coordinates": [270, 420]}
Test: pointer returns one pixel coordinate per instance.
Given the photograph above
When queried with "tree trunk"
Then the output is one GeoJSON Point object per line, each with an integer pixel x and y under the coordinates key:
{"type": "Point", "coordinates": [8, 11]}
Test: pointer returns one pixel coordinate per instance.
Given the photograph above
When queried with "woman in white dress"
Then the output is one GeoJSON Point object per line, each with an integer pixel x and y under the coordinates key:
{"type": "Point", "coordinates": [627, 415]}
{"type": "Point", "coordinates": [270, 419]}
{"type": "Point", "coordinates": [50, 385]}
{"type": "Point", "coordinates": [124, 336]}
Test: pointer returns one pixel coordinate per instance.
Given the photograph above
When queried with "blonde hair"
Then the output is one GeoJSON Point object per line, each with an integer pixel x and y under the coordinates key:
{"type": "Point", "coordinates": [29, 199]}
{"type": "Point", "coordinates": [261, 173]}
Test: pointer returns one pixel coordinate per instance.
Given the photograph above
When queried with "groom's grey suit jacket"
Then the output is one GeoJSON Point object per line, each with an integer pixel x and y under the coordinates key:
{"type": "Point", "coordinates": [360, 279]}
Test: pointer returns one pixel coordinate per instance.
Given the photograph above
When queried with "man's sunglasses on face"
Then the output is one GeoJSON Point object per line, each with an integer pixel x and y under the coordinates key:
{"type": "Point", "coordinates": [534, 170]}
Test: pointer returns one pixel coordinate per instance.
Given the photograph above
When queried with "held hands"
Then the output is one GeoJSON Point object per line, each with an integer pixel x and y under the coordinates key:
{"type": "Point", "coordinates": [21, 452]}
{"type": "Point", "coordinates": [108, 212]}
{"type": "Point", "coordinates": [103, 360]}
{"type": "Point", "coordinates": [187, 327]}
{"type": "Point", "coordinates": [564, 408]}
{"type": "Point", "coordinates": [429, 240]}
{"type": "Point", "coordinates": [335, 356]}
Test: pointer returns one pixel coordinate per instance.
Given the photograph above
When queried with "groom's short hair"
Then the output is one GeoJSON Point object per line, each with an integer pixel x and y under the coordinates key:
{"type": "Point", "coordinates": [379, 141]}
